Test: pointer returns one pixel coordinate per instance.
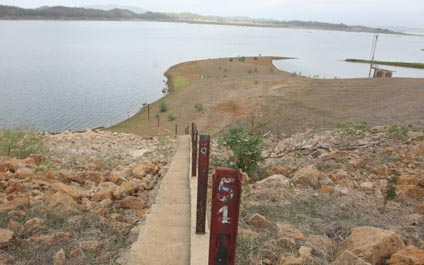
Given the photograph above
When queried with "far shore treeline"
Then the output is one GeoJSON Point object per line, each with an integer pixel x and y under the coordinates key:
{"type": "Point", "coordinates": [79, 13]}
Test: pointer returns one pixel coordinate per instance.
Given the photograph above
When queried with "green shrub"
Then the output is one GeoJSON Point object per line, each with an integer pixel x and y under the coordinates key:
{"type": "Point", "coordinates": [171, 117]}
{"type": "Point", "coordinates": [245, 147]}
{"type": "Point", "coordinates": [198, 106]}
{"type": "Point", "coordinates": [398, 132]}
{"type": "Point", "coordinates": [255, 58]}
{"type": "Point", "coordinates": [231, 59]}
{"type": "Point", "coordinates": [242, 59]}
{"type": "Point", "coordinates": [20, 142]}
{"type": "Point", "coordinates": [354, 129]}
{"type": "Point", "coordinates": [162, 106]}
{"type": "Point", "coordinates": [390, 193]}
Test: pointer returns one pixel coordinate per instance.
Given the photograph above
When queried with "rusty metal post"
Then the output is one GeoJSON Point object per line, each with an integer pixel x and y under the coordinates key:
{"type": "Point", "coordinates": [194, 153]}
{"type": "Point", "coordinates": [176, 129]}
{"type": "Point", "coordinates": [226, 192]}
{"type": "Point", "coordinates": [148, 112]}
{"type": "Point", "coordinates": [202, 183]}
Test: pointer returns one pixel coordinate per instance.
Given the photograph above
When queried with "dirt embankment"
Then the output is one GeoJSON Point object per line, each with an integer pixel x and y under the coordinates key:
{"type": "Point", "coordinates": [80, 203]}
{"type": "Point", "coordinates": [329, 198]}
{"type": "Point", "coordinates": [254, 90]}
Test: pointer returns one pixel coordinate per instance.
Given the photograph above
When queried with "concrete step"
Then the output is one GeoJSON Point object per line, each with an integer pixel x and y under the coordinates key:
{"type": "Point", "coordinates": [169, 191]}
{"type": "Point", "coordinates": [172, 208]}
{"type": "Point", "coordinates": [164, 234]}
{"type": "Point", "coordinates": [182, 220]}
{"type": "Point", "coordinates": [164, 238]}
{"type": "Point", "coordinates": [171, 201]}
{"type": "Point", "coordinates": [160, 254]}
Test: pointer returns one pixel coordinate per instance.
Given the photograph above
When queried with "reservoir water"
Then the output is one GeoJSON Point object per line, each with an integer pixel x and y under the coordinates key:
{"type": "Point", "coordinates": [57, 75]}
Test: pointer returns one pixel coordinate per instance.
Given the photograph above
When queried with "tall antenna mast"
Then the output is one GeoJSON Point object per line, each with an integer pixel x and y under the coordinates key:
{"type": "Point", "coordinates": [372, 56]}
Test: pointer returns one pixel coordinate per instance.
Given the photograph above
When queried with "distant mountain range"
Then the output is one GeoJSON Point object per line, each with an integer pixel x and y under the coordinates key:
{"type": "Point", "coordinates": [126, 13]}
{"type": "Point", "coordinates": [135, 9]}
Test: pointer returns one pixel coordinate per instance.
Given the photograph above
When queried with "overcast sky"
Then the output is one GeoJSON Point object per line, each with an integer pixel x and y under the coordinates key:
{"type": "Point", "coordinates": [363, 12]}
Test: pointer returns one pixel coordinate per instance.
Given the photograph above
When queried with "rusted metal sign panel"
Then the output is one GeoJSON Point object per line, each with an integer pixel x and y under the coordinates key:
{"type": "Point", "coordinates": [225, 216]}
{"type": "Point", "coordinates": [202, 183]}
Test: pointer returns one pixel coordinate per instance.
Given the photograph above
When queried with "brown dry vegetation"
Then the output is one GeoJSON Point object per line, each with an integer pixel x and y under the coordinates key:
{"type": "Point", "coordinates": [232, 90]}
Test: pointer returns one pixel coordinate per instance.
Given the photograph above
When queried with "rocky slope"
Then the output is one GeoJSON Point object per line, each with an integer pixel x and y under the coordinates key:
{"type": "Point", "coordinates": [320, 199]}
{"type": "Point", "coordinates": [78, 204]}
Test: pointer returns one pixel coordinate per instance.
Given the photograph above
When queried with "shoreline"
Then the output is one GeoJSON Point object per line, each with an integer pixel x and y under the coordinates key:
{"type": "Point", "coordinates": [236, 89]}
{"type": "Point", "coordinates": [210, 23]}
{"type": "Point", "coordinates": [170, 83]}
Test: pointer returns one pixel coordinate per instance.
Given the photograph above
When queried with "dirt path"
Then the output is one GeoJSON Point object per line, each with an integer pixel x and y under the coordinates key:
{"type": "Point", "coordinates": [165, 237]}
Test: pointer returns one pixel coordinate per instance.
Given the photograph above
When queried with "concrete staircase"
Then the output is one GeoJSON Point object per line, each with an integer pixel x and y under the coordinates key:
{"type": "Point", "coordinates": [164, 239]}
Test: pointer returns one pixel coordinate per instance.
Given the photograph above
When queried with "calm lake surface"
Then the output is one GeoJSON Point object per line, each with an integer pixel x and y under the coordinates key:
{"type": "Point", "coordinates": [58, 75]}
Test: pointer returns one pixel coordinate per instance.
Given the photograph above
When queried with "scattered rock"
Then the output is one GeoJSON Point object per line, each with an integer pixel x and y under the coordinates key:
{"type": "Point", "coordinates": [287, 230]}
{"type": "Point", "coordinates": [62, 200]}
{"type": "Point", "coordinates": [307, 176]}
{"type": "Point", "coordinates": [305, 251]}
{"type": "Point", "coordinates": [126, 188]}
{"type": "Point", "coordinates": [33, 224]}
{"type": "Point", "coordinates": [348, 258]}
{"type": "Point", "coordinates": [408, 256]}
{"type": "Point", "coordinates": [148, 184]}
{"type": "Point", "coordinates": [321, 245]}
{"type": "Point", "coordinates": [258, 221]}
{"type": "Point", "coordinates": [102, 194]}
{"type": "Point", "coordinates": [266, 262]}
{"type": "Point", "coordinates": [290, 260]}
{"type": "Point", "coordinates": [91, 245]}
{"type": "Point", "coordinates": [47, 240]}
{"type": "Point", "coordinates": [16, 214]}
{"type": "Point", "coordinates": [131, 202]}
{"type": "Point", "coordinates": [144, 168]}
{"type": "Point", "coordinates": [326, 189]}
{"type": "Point", "coordinates": [5, 236]}
{"type": "Point", "coordinates": [371, 244]}
{"type": "Point", "coordinates": [275, 181]}
{"type": "Point", "coordinates": [72, 191]}
{"type": "Point", "coordinates": [420, 208]}
{"type": "Point", "coordinates": [59, 257]}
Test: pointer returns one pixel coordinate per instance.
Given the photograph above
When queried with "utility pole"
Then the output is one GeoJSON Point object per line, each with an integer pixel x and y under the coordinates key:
{"type": "Point", "coordinates": [374, 47]}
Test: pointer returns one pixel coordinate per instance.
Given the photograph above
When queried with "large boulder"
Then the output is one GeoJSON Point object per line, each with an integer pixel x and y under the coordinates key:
{"type": "Point", "coordinates": [307, 176]}
{"type": "Point", "coordinates": [369, 244]}
{"type": "Point", "coordinates": [408, 256]}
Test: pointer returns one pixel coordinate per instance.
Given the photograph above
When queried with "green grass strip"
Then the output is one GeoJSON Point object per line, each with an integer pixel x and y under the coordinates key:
{"type": "Point", "coordinates": [399, 64]}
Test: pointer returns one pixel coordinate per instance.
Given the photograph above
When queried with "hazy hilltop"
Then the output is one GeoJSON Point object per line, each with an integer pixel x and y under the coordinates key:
{"type": "Point", "coordinates": [112, 12]}
{"type": "Point", "coordinates": [74, 13]}
{"type": "Point", "coordinates": [135, 9]}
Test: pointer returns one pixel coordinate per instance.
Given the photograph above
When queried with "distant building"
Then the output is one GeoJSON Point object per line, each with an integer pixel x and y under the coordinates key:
{"type": "Point", "coordinates": [380, 72]}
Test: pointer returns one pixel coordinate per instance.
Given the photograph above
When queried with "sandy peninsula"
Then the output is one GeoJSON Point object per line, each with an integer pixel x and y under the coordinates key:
{"type": "Point", "coordinates": [253, 90]}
